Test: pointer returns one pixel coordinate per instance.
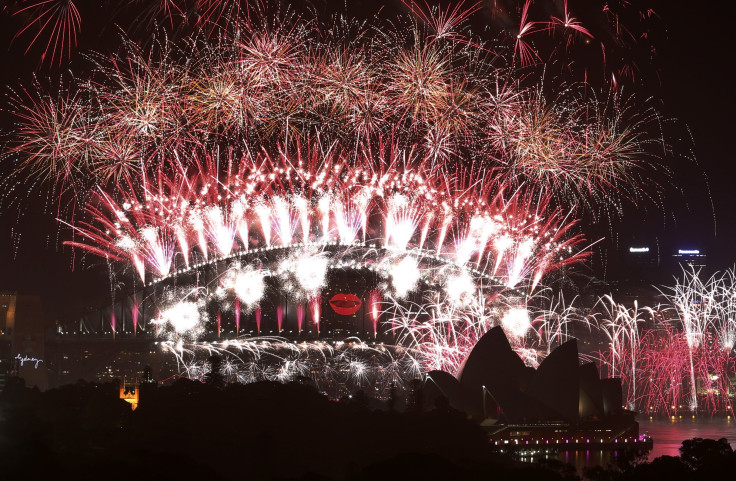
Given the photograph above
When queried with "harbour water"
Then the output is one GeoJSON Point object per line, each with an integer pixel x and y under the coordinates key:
{"type": "Point", "coordinates": [668, 435]}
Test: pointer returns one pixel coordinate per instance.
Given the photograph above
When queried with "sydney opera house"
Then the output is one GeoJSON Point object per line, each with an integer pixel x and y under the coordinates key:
{"type": "Point", "coordinates": [561, 402]}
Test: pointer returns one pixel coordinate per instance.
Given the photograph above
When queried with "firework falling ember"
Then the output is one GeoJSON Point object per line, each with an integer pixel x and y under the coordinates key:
{"type": "Point", "coordinates": [621, 328]}
{"type": "Point", "coordinates": [704, 313]}
{"type": "Point", "coordinates": [677, 356]}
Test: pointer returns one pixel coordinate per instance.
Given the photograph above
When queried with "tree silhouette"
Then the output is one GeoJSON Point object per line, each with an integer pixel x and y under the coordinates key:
{"type": "Point", "coordinates": [214, 377]}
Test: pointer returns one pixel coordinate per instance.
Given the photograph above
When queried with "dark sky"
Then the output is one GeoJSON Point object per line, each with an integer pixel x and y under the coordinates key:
{"type": "Point", "coordinates": [696, 75]}
{"type": "Point", "coordinates": [694, 81]}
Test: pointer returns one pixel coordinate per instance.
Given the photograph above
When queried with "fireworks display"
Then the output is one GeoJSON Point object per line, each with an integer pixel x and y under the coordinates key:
{"type": "Point", "coordinates": [677, 356]}
{"type": "Point", "coordinates": [240, 160]}
{"type": "Point", "coordinates": [301, 205]}
{"type": "Point", "coordinates": [264, 80]}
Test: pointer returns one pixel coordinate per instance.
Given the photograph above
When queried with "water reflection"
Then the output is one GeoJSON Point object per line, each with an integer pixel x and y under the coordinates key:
{"type": "Point", "coordinates": [605, 459]}
{"type": "Point", "coordinates": [669, 434]}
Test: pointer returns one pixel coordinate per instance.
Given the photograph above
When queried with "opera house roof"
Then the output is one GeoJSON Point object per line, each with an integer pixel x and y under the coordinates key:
{"type": "Point", "coordinates": [494, 382]}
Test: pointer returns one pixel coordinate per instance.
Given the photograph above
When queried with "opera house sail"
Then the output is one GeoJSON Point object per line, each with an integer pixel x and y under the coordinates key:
{"type": "Point", "coordinates": [562, 403]}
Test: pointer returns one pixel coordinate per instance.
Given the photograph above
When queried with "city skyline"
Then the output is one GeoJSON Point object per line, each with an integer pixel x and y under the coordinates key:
{"type": "Point", "coordinates": [498, 230]}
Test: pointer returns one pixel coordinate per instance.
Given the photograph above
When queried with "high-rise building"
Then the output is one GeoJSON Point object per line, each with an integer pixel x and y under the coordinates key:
{"type": "Point", "coordinates": [22, 341]}
{"type": "Point", "coordinates": [641, 264]}
{"type": "Point", "coordinates": [690, 258]}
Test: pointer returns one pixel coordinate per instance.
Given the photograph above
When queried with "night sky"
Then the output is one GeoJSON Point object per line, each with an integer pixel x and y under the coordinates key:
{"type": "Point", "coordinates": [691, 74]}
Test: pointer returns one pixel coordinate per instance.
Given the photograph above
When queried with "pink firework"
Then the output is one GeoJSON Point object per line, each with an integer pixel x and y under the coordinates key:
{"type": "Point", "coordinates": [678, 356]}
{"type": "Point", "coordinates": [55, 22]}
{"type": "Point", "coordinates": [267, 202]}
{"type": "Point", "coordinates": [266, 85]}
{"type": "Point", "coordinates": [300, 317]}
{"type": "Point", "coordinates": [135, 312]}
{"type": "Point", "coordinates": [237, 316]}
{"type": "Point", "coordinates": [522, 48]}
{"type": "Point", "coordinates": [451, 168]}
{"type": "Point", "coordinates": [315, 310]}
{"type": "Point", "coordinates": [374, 308]}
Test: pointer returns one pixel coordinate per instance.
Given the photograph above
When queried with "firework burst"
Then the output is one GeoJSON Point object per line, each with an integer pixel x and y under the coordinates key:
{"type": "Point", "coordinates": [252, 155]}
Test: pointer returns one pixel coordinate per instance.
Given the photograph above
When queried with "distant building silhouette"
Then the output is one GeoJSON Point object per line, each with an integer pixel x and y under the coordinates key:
{"type": "Point", "coordinates": [560, 401]}
{"type": "Point", "coordinates": [22, 339]}
{"type": "Point", "coordinates": [642, 264]}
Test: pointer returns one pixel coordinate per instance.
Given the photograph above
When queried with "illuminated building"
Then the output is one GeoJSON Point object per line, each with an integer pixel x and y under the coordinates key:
{"type": "Point", "coordinates": [22, 340]}
{"type": "Point", "coordinates": [689, 258]}
{"type": "Point", "coordinates": [130, 393]}
{"type": "Point", "coordinates": [559, 404]}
